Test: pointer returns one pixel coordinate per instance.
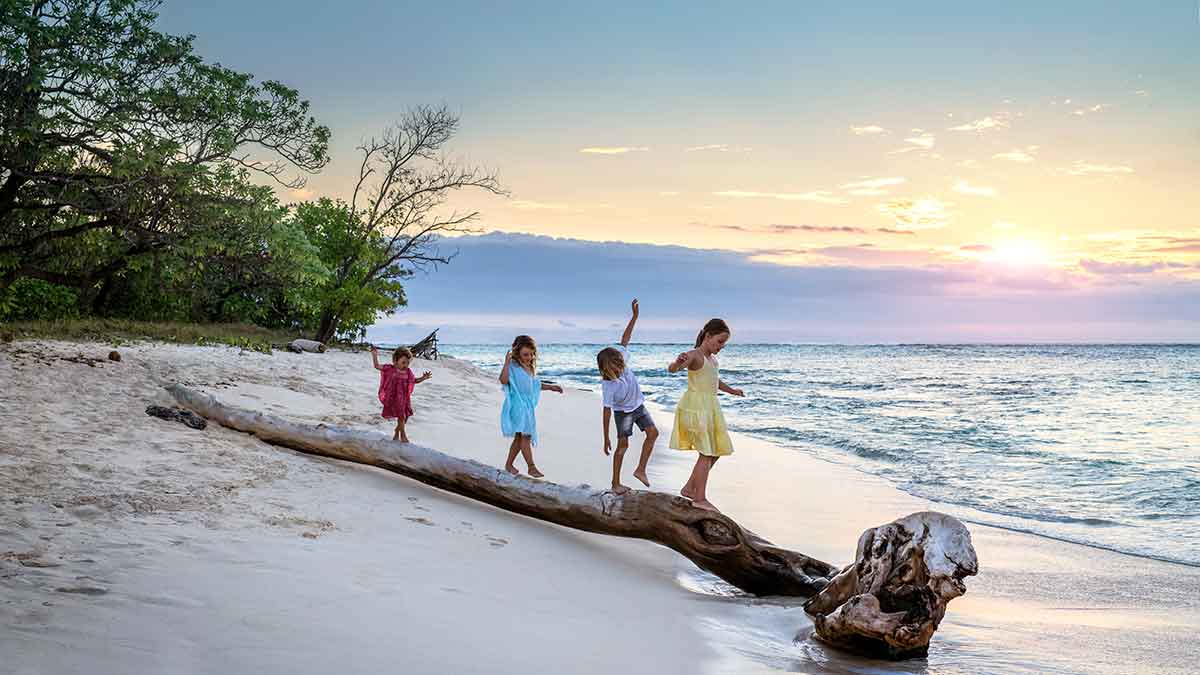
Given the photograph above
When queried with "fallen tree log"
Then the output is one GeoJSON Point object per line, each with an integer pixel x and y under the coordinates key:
{"type": "Point", "coordinates": [891, 600]}
{"type": "Point", "coordinates": [300, 345]}
{"type": "Point", "coordinates": [711, 540]}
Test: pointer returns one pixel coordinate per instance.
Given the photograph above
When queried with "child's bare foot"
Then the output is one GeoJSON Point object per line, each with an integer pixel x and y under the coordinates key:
{"type": "Point", "coordinates": [641, 475]}
{"type": "Point", "coordinates": [619, 489]}
{"type": "Point", "coordinates": [513, 470]}
{"type": "Point", "coordinates": [706, 505]}
{"type": "Point", "coordinates": [396, 436]}
{"type": "Point", "coordinates": [687, 494]}
{"type": "Point", "coordinates": [533, 471]}
{"type": "Point", "coordinates": [404, 439]}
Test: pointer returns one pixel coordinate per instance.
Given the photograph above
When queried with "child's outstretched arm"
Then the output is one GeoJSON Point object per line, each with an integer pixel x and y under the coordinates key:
{"type": "Point", "coordinates": [504, 368]}
{"type": "Point", "coordinates": [628, 334]}
{"type": "Point", "coordinates": [606, 416]}
{"type": "Point", "coordinates": [546, 386]}
{"type": "Point", "coordinates": [685, 360]}
{"type": "Point", "coordinates": [375, 358]}
{"type": "Point", "coordinates": [728, 389]}
{"type": "Point", "coordinates": [424, 376]}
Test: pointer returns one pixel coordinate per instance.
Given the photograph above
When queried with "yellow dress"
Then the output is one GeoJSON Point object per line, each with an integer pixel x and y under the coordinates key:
{"type": "Point", "coordinates": [699, 424]}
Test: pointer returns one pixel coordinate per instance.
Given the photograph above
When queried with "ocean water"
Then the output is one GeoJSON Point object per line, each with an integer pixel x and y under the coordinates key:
{"type": "Point", "coordinates": [1093, 444]}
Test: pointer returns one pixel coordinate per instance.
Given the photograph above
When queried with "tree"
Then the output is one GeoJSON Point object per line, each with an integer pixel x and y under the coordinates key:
{"type": "Point", "coordinates": [116, 141]}
{"type": "Point", "coordinates": [392, 225]}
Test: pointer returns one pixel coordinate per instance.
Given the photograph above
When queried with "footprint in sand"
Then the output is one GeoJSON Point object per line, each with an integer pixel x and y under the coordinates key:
{"type": "Point", "coordinates": [417, 519]}
{"type": "Point", "coordinates": [496, 542]}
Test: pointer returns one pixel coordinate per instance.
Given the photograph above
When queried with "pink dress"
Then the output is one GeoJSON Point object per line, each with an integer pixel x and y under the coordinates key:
{"type": "Point", "coordinates": [395, 391]}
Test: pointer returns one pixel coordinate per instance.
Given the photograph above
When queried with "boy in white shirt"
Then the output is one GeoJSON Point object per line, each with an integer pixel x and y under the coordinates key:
{"type": "Point", "coordinates": [623, 399]}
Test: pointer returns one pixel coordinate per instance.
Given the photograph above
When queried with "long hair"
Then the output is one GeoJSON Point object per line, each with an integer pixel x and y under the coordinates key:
{"type": "Point", "coordinates": [713, 327]}
{"type": "Point", "coordinates": [610, 363]}
{"type": "Point", "coordinates": [520, 343]}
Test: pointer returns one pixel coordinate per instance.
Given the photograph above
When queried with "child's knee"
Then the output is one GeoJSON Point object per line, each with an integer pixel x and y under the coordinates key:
{"type": "Point", "coordinates": [622, 445]}
{"type": "Point", "coordinates": [652, 434]}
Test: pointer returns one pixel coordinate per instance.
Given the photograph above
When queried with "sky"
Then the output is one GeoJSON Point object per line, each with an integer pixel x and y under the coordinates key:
{"type": "Point", "coordinates": [881, 171]}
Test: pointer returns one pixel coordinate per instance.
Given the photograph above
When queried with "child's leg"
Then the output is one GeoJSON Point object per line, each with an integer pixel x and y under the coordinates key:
{"type": "Point", "coordinates": [647, 448]}
{"type": "Point", "coordinates": [704, 466]}
{"type": "Point", "coordinates": [400, 429]}
{"type": "Point", "coordinates": [513, 449]}
{"type": "Point", "coordinates": [618, 455]}
{"type": "Point", "coordinates": [396, 433]}
{"type": "Point", "coordinates": [689, 488]}
{"type": "Point", "coordinates": [527, 453]}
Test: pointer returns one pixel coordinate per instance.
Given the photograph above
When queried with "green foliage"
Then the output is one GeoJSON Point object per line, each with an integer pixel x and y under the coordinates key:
{"type": "Point", "coordinates": [353, 290]}
{"type": "Point", "coordinates": [119, 146]}
{"type": "Point", "coordinates": [36, 300]}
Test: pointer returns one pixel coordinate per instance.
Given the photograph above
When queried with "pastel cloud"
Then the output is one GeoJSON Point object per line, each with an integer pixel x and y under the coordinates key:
{"type": "Point", "coordinates": [924, 140]}
{"type": "Point", "coordinates": [868, 130]}
{"type": "Point", "coordinates": [529, 205]}
{"type": "Point", "coordinates": [1101, 267]}
{"type": "Point", "coordinates": [619, 150]}
{"type": "Point", "coordinates": [999, 121]}
{"type": "Point", "coordinates": [872, 183]}
{"type": "Point", "coordinates": [1024, 156]}
{"type": "Point", "coordinates": [923, 213]}
{"type": "Point", "coordinates": [966, 188]}
{"type": "Point", "coordinates": [716, 147]}
{"type": "Point", "coordinates": [1091, 109]}
{"type": "Point", "coordinates": [845, 294]}
{"type": "Point", "coordinates": [1083, 168]}
{"type": "Point", "coordinates": [819, 196]}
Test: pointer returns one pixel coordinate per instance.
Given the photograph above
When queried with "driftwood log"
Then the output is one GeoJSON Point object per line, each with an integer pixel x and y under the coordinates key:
{"type": "Point", "coordinates": [891, 600]}
{"type": "Point", "coordinates": [177, 415]}
{"type": "Point", "coordinates": [427, 348]}
{"type": "Point", "coordinates": [711, 540]}
{"type": "Point", "coordinates": [301, 345]}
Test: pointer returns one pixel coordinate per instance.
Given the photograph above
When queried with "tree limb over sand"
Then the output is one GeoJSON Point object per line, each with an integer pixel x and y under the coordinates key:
{"type": "Point", "coordinates": [711, 540]}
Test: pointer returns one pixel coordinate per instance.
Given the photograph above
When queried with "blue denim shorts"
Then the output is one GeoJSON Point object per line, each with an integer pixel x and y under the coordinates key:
{"type": "Point", "coordinates": [625, 421]}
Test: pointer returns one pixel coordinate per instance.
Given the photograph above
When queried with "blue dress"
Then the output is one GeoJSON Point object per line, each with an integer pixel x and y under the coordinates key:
{"type": "Point", "coordinates": [521, 396]}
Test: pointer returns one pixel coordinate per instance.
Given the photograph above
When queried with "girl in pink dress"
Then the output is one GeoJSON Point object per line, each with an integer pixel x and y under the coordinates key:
{"type": "Point", "coordinates": [396, 383]}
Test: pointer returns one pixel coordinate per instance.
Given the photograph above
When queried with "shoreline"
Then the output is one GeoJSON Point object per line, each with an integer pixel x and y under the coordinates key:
{"type": "Point", "coordinates": [266, 537]}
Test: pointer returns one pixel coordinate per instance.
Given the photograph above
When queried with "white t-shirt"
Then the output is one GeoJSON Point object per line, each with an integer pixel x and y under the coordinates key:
{"type": "Point", "coordinates": [623, 394]}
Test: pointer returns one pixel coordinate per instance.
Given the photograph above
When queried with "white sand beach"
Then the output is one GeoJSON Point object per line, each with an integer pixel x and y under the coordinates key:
{"type": "Point", "coordinates": [129, 544]}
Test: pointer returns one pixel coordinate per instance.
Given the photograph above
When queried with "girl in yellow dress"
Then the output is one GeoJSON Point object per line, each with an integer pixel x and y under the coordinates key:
{"type": "Point", "coordinates": [699, 424]}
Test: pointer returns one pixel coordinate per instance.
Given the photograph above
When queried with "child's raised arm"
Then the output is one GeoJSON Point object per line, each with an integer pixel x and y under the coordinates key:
{"type": "Point", "coordinates": [424, 376]}
{"type": "Point", "coordinates": [375, 358]}
{"type": "Point", "coordinates": [504, 368]}
{"type": "Point", "coordinates": [546, 386]}
{"type": "Point", "coordinates": [628, 334]}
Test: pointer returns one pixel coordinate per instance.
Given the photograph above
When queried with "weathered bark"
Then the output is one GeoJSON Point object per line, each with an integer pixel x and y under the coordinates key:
{"type": "Point", "coordinates": [711, 540]}
{"type": "Point", "coordinates": [301, 345]}
{"type": "Point", "coordinates": [426, 348]}
{"type": "Point", "coordinates": [891, 600]}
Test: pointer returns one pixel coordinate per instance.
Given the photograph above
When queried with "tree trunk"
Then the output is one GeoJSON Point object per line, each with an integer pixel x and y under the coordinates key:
{"type": "Point", "coordinates": [711, 540]}
{"type": "Point", "coordinates": [327, 327]}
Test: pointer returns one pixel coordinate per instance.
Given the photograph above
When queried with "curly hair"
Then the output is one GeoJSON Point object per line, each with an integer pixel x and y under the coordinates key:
{"type": "Point", "coordinates": [521, 342]}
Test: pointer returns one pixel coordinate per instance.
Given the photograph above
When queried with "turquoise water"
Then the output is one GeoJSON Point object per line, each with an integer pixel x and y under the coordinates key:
{"type": "Point", "coordinates": [1098, 445]}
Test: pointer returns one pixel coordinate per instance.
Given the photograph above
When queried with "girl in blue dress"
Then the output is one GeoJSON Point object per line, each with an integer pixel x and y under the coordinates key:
{"type": "Point", "coordinates": [522, 390]}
